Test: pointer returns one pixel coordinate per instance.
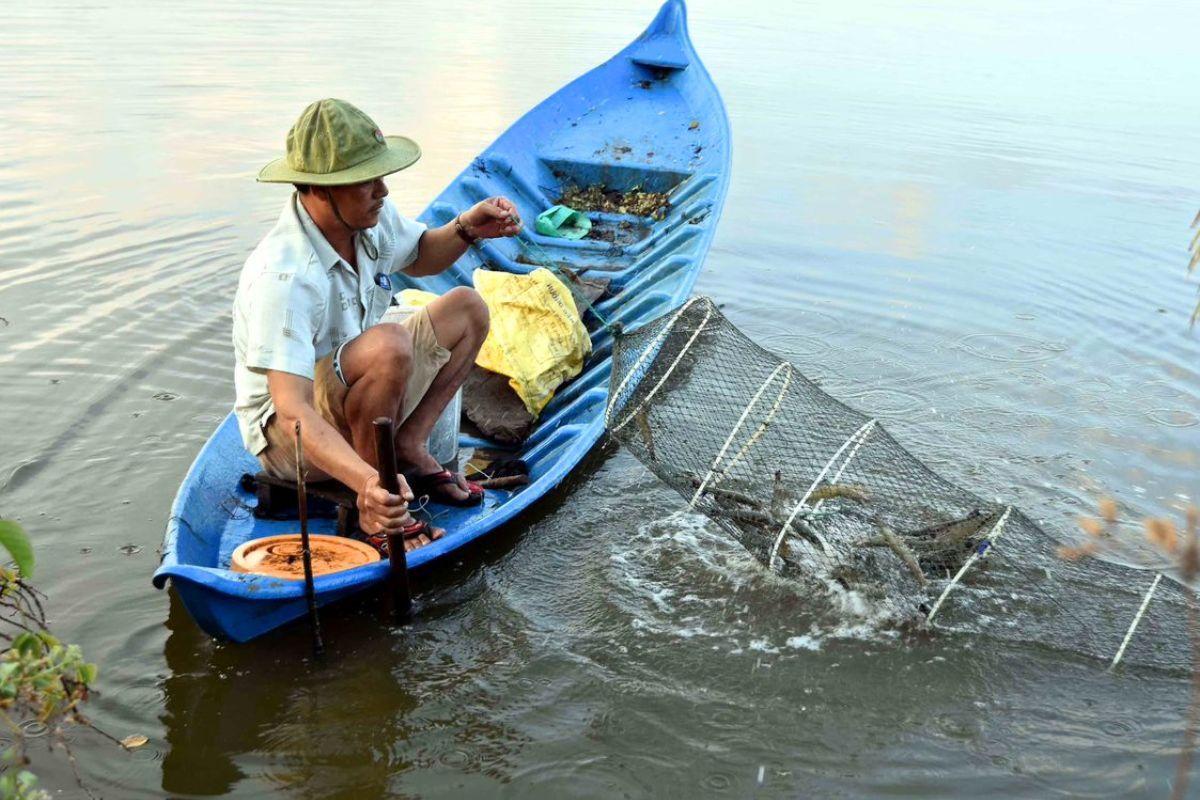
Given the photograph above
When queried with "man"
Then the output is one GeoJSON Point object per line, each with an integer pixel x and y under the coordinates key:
{"type": "Point", "coordinates": [307, 343]}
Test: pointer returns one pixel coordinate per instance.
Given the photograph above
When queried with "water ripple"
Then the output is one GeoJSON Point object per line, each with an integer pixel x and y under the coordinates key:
{"type": "Point", "coordinates": [1014, 348]}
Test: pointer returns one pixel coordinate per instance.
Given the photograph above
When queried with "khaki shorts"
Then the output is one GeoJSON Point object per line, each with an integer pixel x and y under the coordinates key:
{"type": "Point", "coordinates": [329, 396]}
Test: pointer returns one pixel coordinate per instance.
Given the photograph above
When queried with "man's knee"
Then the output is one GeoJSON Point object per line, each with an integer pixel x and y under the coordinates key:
{"type": "Point", "coordinates": [395, 349]}
{"type": "Point", "coordinates": [383, 352]}
{"type": "Point", "coordinates": [470, 304]}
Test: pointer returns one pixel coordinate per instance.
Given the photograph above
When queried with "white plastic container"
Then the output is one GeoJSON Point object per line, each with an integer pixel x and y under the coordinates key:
{"type": "Point", "coordinates": [443, 439]}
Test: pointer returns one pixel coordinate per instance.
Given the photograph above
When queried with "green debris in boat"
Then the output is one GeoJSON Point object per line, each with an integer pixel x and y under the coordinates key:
{"type": "Point", "coordinates": [563, 222]}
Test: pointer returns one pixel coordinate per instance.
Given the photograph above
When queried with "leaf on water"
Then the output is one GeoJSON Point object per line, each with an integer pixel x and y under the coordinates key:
{"type": "Point", "coordinates": [1161, 532]}
{"type": "Point", "coordinates": [133, 740]}
{"type": "Point", "coordinates": [1076, 553]}
{"type": "Point", "coordinates": [14, 539]}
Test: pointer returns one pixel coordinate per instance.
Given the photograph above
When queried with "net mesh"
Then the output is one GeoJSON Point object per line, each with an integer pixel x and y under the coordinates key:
{"type": "Point", "coordinates": [822, 494]}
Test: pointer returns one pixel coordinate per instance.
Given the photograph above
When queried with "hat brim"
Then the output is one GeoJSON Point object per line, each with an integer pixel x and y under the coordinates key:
{"type": "Point", "coordinates": [401, 153]}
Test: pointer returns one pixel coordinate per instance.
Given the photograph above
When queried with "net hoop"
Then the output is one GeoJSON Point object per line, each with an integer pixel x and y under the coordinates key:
{"type": "Point", "coordinates": [1141, 612]}
{"type": "Point", "coordinates": [856, 438]}
{"type": "Point", "coordinates": [762, 426]}
{"type": "Point", "coordinates": [653, 347]}
{"type": "Point", "coordinates": [990, 540]}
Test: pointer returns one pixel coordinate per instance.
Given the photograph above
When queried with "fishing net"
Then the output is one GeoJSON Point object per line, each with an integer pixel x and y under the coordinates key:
{"type": "Point", "coordinates": [822, 494]}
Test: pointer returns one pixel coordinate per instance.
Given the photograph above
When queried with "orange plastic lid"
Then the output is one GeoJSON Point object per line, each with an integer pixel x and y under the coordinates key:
{"type": "Point", "coordinates": [281, 556]}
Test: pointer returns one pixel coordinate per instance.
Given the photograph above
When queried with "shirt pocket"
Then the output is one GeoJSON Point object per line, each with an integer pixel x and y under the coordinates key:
{"type": "Point", "coordinates": [380, 300]}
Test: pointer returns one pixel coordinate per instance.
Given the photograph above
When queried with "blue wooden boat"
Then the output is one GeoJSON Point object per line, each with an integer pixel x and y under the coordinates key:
{"type": "Point", "coordinates": [648, 118]}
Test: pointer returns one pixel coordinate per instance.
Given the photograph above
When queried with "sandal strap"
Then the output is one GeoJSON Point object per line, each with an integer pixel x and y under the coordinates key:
{"type": "Point", "coordinates": [414, 530]}
{"type": "Point", "coordinates": [380, 540]}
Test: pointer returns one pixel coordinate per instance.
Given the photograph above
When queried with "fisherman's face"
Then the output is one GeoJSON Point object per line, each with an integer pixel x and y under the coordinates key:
{"type": "Point", "coordinates": [360, 204]}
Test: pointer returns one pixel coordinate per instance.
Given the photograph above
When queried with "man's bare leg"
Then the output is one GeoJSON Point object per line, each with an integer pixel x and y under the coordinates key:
{"type": "Point", "coordinates": [460, 323]}
{"type": "Point", "coordinates": [376, 365]}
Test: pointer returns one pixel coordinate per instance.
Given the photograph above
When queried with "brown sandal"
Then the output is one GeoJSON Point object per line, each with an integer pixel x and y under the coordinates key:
{"type": "Point", "coordinates": [411, 531]}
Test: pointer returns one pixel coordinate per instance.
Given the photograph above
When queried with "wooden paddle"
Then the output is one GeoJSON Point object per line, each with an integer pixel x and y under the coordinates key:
{"type": "Point", "coordinates": [385, 457]}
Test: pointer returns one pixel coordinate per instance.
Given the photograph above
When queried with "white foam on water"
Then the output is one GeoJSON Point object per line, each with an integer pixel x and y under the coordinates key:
{"type": "Point", "coordinates": [683, 577]}
{"type": "Point", "coordinates": [804, 642]}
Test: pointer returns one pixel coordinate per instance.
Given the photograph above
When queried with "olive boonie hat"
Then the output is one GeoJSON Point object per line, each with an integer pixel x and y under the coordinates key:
{"type": "Point", "coordinates": [335, 144]}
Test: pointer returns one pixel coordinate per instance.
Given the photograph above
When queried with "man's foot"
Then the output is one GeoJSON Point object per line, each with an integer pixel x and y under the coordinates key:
{"type": "Point", "coordinates": [446, 487]}
{"type": "Point", "coordinates": [422, 534]}
{"type": "Point", "coordinates": [417, 534]}
{"type": "Point", "coordinates": [425, 476]}
{"type": "Point", "coordinates": [419, 465]}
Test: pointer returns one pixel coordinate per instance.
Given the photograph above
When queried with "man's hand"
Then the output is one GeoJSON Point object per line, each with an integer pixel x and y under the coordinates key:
{"type": "Point", "coordinates": [492, 218]}
{"type": "Point", "coordinates": [380, 511]}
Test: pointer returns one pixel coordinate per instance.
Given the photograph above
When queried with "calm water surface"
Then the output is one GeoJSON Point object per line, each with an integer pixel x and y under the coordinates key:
{"type": "Point", "coordinates": [969, 220]}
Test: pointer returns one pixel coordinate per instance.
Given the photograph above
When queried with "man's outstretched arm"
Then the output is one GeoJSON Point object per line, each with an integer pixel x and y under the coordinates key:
{"type": "Point", "coordinates": [441, 247]}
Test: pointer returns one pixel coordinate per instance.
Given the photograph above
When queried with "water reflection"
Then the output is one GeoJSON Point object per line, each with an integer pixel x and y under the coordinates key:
{"type": "Point", "coordinates": [382, 701]}
{"type": "Point", "coordinates": [927, 212]}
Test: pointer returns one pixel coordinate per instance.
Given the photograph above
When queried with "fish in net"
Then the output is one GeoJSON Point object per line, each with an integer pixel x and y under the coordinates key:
{"type": "Point", "coordinates": [822, 494]}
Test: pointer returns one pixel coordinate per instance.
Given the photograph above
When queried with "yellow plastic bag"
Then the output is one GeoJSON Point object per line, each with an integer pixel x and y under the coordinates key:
{"type": "Point", "coordinates": [537, 338]}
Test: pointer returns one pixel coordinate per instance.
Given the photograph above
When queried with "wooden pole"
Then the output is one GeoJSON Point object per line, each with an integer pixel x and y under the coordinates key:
{"type": "Point", "coordinates": [385, 456]}
{"type": "Point", "coordinates": [310, 594]}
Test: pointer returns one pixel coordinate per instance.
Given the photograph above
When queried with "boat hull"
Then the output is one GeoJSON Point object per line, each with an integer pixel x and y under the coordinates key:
{"type": "Point", "coordinates": [648, 118]}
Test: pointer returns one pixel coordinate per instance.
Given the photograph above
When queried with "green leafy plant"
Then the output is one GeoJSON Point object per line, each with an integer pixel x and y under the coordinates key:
{"type": "Point", "coordinates": [41, 678]}
{"type": "Point", "coordinates": [20, 784]}
{"type": "Point", "coordinates": [39, 672]}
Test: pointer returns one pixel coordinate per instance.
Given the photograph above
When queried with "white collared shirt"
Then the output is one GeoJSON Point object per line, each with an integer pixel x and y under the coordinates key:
{"type": "Point", "coordinates": [298, 300]}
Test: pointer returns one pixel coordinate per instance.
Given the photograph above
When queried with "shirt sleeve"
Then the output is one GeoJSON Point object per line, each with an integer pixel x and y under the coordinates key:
{"type": "Point", "coordinates": [404, 236]}
{"type": "Point", "coordinates": [282, 317]}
